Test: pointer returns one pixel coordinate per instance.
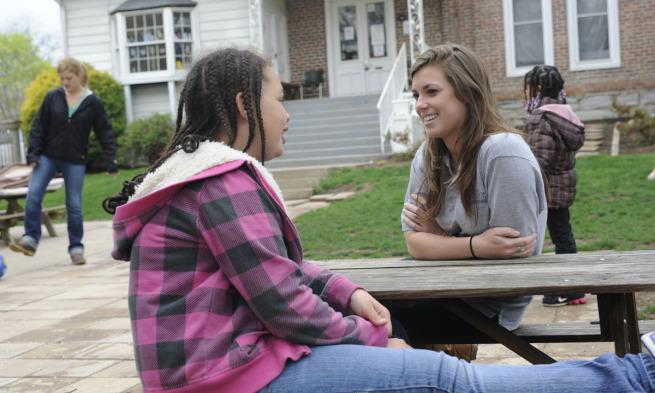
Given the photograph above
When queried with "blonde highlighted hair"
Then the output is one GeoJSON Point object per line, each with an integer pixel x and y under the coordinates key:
{"type": "Point", "coordinates": [74, 66]}
{"type": "Point", "coordinates": [466, 73]}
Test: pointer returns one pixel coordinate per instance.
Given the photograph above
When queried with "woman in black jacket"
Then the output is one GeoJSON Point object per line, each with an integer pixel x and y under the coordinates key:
{"type": "Point", "coordinates": [59, 142]}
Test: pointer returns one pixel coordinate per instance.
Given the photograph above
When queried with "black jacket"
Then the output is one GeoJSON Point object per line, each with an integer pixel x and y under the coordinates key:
{"type": "Point", "coordinates": [55, 135]}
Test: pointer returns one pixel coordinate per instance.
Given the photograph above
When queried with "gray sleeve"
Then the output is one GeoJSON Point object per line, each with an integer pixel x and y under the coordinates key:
{"type": "Point", "coordinates": [416, 179]}
{"type": "Point", "coordinates": [516, 195]}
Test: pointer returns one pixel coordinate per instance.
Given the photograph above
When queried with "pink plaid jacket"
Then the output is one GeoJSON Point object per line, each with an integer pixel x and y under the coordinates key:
{"type": "Point", "coordinates": [220, 297]}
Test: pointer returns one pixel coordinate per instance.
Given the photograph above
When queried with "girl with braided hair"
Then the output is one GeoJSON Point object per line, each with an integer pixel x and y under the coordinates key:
{"type": "Point", "coordinates": [220, 297]}
{"type": "Point", "coordinates": [555, 134]}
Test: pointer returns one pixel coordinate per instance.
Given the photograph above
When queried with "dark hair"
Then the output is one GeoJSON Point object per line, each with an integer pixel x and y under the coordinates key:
{"type": "Point", "coordinates": [550, 80]}
{"type": "Point", "coordinates": [208, 106]}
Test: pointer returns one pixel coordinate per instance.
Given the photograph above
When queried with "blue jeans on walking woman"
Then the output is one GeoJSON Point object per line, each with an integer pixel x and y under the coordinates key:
{"type": "Point", "coordinates": [356, 368]}
{"type": "Point", "coordinates": [74, 181]}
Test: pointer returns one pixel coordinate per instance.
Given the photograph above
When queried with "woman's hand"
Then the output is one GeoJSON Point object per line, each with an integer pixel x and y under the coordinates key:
{"type": "Point", "coordinates": [503, 243]}
{"type": "Point", "coordinates": [397, 343]}
{"type": "Point", "coordinates": [364, 305]}
{"type": "Point", "coordinates": [412, 214]}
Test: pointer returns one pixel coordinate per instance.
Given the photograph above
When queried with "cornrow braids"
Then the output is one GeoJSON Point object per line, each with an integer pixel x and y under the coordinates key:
{"type": "Point", "coordinates": [258, 97]}
{"type": "Point", "coordinates": [551, 82]}
{"type": "Point", "coordinates": [247, 97]}
{"type": "Point", "coordinates": [207, 109]}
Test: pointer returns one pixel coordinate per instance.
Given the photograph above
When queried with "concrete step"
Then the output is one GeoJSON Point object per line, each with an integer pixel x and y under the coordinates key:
{"type": "Point", "coordinates": [302, 182]}
{"type": "Point", "coordinates": [293, 194]}
{"type": "Point", "coordinates": [339, 161]}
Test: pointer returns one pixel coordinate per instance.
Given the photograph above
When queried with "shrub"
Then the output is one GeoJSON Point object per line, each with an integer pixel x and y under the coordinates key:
{"type": "Point", "coordinates": [101, 83]}
{"type": "Point", "coordinates": [146, 138]}
{"type": "Point", "coordinates": [640, 121]}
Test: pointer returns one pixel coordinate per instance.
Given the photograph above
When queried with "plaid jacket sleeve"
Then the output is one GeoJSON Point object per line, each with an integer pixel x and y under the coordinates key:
{"type": "Point", "coordinates": [259, 253]}
{"type": "Point", "coordinates": [542, 141]}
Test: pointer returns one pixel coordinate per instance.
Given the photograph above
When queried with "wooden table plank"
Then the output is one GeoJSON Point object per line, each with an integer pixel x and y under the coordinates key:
{"type": "Point", "coordinates": [613, 276]}
{"type": "Point", "coordinates": [605, 273]}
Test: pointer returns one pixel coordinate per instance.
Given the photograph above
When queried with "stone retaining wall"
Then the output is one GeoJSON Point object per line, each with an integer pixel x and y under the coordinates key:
{"type": "Point", "coordinates": [591, 108]}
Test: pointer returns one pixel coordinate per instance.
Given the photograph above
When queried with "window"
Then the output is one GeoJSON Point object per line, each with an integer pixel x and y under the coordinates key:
{"type": "Point", "coordinates": [155, 42]}
{"type": "Point", "coordinates": [183, 38]}
{"type": "Point", "coordinates": [348, 33]}
{"type": "Point", "coordinates": [593, 34]}
{"type": "Point", "coordinates": [145, 42]}
{"type": "Point", "coordinates": [528, 35]}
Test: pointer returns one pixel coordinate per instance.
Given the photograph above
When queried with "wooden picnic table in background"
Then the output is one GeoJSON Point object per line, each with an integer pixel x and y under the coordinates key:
{"type": "Point", "coordinates": [13, 187]}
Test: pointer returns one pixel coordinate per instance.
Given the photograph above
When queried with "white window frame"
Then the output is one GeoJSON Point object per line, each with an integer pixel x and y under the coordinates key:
{"type": "Point", "coordinates": [547, 25]}
{"type": "Point", "coordinates": [171, 73]}
{"type": "Point", "coordinates": [614, 60]}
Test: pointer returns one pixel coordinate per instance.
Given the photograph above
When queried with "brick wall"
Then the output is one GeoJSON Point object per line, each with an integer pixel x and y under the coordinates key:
{"type": "Point", "coordinates": [478, 24]}
{"type": "Point", "coordinates": [307, 41]}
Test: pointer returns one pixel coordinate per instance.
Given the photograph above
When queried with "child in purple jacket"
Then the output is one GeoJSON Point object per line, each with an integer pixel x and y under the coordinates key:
{"type": "Point", "coordinates": [220, 297]}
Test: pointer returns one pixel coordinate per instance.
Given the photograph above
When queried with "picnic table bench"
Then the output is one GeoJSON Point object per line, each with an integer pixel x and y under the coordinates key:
{"type": "Point", "coordinates": [13, 187]}
{"type": "Point", "coordinates": [613, 276]}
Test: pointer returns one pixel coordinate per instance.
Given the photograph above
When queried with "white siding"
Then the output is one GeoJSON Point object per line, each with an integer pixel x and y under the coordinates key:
{"type": "Point", "coordinates": [223, 22]}
{"type": "Point", "coordinates": [148, 99]}
{"type": "Point", "coordinates": [88, 31]}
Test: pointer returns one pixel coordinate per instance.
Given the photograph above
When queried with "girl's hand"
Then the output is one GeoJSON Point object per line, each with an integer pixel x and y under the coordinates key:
{"type": "Point", "coordinates": [364, 305]}
{"type": "Point", "coordinates": [413, 212]}
{"type": "Point", "coordinates": [397, 343]}
{"type": "Point", "coordinates": [503, 243]}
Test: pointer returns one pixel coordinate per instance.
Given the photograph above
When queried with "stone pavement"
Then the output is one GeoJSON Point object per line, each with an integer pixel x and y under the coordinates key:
{"type": "Point", "coordinates": [66, 328]}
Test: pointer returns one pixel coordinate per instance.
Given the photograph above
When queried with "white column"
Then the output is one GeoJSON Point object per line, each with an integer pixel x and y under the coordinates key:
{"type": "Point", "coordinates": [129, 111]}
{"type": "Point", "coordinates": [416, 28]}
{"type": "Point", "coordinates": [256, 34]}
{"type": "Point", "coordinates": [172, 98]}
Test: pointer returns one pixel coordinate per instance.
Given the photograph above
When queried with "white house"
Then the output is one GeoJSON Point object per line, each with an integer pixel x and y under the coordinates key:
{"type": "Point", "coordinates": [146, 44]}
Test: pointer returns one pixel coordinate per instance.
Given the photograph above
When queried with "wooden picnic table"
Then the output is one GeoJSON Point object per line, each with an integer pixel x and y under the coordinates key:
{"type": "Point", "coordinates": [613, 276]}
{"type": "Point", "coordinates": [15, 212]}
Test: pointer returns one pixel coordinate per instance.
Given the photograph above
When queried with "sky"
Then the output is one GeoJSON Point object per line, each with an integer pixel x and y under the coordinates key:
{"type": "Point", "coordinates": [41, 17]}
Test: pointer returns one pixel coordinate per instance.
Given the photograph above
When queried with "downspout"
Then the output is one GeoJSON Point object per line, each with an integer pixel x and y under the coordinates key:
{"type": "Point", "coordinates": [64, 33]}
{"type": "Point", "coordinates": [256, 35]}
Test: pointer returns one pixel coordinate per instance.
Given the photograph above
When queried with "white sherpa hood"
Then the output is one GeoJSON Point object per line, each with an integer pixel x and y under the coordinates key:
{"type": "Point", "coordinates": [182, 166]}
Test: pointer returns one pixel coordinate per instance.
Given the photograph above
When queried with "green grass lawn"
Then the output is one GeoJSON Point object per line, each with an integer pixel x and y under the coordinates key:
{"type": "Point", "coordinates": [614, 209]}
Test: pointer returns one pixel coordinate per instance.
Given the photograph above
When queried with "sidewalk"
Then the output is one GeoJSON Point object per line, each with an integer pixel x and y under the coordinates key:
{"type": "Point", "coordinates": [66, 328]}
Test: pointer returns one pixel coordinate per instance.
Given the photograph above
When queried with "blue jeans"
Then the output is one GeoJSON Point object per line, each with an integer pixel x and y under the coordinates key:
{"type": "Point", "coordinates": [355, 368]}
{"type": "Point", "coordinates": [74, 181]}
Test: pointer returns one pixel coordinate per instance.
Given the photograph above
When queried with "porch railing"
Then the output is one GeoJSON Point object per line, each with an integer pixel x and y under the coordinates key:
{"type": "Point", "coordinates": [12, 150]}
{"type": "Point", "coordinates": [393, 88]}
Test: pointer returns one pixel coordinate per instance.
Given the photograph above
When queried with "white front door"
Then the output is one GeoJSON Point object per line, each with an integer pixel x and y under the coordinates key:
{"type": "Point", "coordinates": [361, 45]}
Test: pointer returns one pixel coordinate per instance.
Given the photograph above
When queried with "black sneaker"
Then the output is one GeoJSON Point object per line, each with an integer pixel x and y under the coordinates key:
{"type": "Point", "coordinates": [563, 300]}
{"type": "Point", "coordinates": [24, 247]}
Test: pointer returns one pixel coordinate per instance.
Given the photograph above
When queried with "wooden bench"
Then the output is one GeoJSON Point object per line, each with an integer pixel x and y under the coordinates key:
{"type": "Point", "coordinates": [47, 215]}
{"type": "Point", "coordinates": [565, 332]}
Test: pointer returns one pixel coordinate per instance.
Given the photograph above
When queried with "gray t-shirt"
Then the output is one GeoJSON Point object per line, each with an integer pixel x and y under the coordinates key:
{"type": "Point", "coordinates": [509, 193]}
